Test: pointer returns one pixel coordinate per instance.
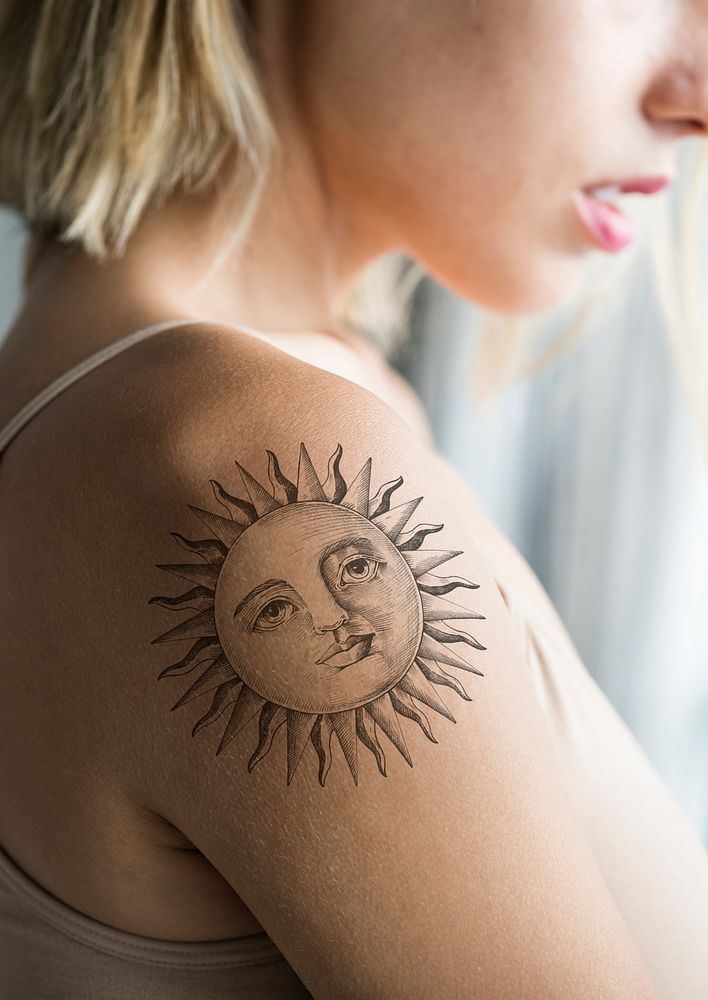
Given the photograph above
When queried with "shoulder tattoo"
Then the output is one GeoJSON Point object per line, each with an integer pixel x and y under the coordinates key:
{"type": "Point", "coordinates": [317, 611]}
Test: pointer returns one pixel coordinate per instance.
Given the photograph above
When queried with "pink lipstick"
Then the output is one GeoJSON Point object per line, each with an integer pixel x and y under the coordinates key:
{"type": "Point", "coordinates": [608, 227]}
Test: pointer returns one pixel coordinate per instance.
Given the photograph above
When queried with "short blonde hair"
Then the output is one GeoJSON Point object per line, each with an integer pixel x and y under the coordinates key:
{"type": "Point", "coordinates": [108, 106]}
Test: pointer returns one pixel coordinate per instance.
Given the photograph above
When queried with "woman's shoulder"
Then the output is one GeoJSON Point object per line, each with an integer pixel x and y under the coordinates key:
{"type": "Point", "coordinates": [210, 360]}
{"type": "Point", "coordinates": [201, 382]}
{"type": "Point", "coordinates": [314, 671]}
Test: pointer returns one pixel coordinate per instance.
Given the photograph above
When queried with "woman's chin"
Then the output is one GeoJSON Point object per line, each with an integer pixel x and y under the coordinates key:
{"type": "Point", "coordinates": [535, 287]}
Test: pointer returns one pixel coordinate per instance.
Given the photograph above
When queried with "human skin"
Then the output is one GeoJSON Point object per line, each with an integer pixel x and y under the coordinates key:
{"type": "Point", "coordinates": [457, 131]}
{"type": "Point", "coordinates": [353, 117]}
{"type": "Point", "coordinates": [281, 640]}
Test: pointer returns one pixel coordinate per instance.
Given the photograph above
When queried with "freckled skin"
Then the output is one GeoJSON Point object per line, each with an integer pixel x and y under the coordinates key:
{"type": "Point", "coordinates": [279, 642]}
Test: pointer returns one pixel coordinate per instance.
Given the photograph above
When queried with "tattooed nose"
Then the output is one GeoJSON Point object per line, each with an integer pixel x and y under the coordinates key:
{"type": "Point", "coordinates": [341, 620]}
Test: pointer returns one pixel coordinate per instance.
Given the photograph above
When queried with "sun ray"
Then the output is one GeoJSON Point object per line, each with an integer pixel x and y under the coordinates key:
{"type": "Point", "coordinates": [344, 725]}
{"type": "Point", "coordinates": [308, 485]}
{"type": "Point", "coordinates": [247, 704]}
{"type": "Point", "coordinates": [431, 650]}
{"type": "Point", "coordinates": [403, 704]}
{"type": "Point", "coordinates": [416, 684]}
{"type": "Point", "coordinates": [366, 731]}
{"type": "Point", "coordinates": [225, 695]}
{"type": "Point", "coordinates": [202, 574]}
{"type": "Point", "coordinates": [454, 635]}
{"type": "Point", "coordinates": [283, 490]}
{"type": "Point", "coordinates": [382, 712]}
{"type": "Point", "coordinates": [198, 598]}
{"type": "Point", "coordinates": [223, 529]}
{"type": "Point", "coordinates": [191, 661]}
{"type": "Point", "coordinates": [440, 676]}
{"type": "Point", "coordinates": [240, 511]}
{"type": "Point", "coordinates": [218, 672]}
{"type": "Point", "coordinates": [439, 608]}
{"type": "Point", "coordinates": [381, 503]}
{"type": "Point", "coordinates": [392, 522]}
{"type": "Point", "coordinates": [422, 562]}
{"type": "Point", "coordinates": [321, 738]}
{"type": "Point", "coordinates": [210, 549]}
{"type": "Point", "coordinates": [439, 585]}
{"type": "Point", "coordinates": [299, 728]}
{"type": "Point", "coordinates": [263, 501]}
{"type": "Point", "coordinates": [194, 628]}
{"type": "Point", "coordinates": [415, 538]}
{"type": "Point", "coordinates": [357, 496]}
{"type": "Point", "coordinates": [334, 485]}
{"type": "Point", "coordinates": [269, 721]}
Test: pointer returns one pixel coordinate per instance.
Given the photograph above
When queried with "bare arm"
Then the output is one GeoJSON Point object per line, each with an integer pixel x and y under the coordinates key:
{"type": "Point", "coordinates": [358, 748]}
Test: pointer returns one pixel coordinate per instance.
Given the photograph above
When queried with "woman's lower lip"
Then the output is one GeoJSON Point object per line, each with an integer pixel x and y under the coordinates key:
{"type": "Point", "coordinates": [608, 227]}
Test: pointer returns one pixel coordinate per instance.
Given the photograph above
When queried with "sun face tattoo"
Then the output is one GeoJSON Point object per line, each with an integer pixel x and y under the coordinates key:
{"type": "Point", "coordinates": [318, 610]}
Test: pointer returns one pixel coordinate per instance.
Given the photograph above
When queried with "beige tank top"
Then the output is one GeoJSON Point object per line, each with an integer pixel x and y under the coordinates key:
{"type": "Point", "coordinates": [651, 857]}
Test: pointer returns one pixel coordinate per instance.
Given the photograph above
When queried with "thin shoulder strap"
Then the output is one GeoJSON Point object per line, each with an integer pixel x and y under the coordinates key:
{"type": "Point", "coordinates": [30, 409]}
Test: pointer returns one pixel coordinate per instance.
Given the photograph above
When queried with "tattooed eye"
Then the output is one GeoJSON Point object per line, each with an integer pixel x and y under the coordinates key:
{"type": "Point", "coordinates": [274, 614]}
{"type": "Point", "coordinates": [358, 570]}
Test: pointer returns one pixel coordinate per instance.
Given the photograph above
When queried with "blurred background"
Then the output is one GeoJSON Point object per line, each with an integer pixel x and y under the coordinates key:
{"type": "Point", "coordinates": [597, 471]}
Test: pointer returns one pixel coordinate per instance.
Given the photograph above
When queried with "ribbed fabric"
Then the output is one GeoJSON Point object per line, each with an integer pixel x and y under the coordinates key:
{"type": "Point", "coordinates": [49, 950]}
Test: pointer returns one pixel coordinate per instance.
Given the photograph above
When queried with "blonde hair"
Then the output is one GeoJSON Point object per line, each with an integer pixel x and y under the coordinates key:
{"type": "Point", "coordinates": [108, 106]}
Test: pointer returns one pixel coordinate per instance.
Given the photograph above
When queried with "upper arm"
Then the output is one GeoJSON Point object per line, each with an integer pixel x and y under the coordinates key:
{"type": "Point", "coordinates": [356, 745]}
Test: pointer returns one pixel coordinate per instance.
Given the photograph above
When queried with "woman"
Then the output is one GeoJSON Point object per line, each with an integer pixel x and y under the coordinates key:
{"type": "Point", "coordinates": [389, 775]}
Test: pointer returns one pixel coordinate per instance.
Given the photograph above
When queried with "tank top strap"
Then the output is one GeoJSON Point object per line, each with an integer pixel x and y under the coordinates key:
{"type": "Point", "coordinates": [51, 391]}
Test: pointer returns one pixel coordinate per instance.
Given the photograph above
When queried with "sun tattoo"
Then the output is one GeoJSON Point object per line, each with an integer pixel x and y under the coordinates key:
{"type": "Point", "coordinates": [318, 611]}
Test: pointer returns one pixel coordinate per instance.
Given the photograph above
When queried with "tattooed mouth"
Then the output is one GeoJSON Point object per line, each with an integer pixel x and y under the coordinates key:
{"type": "Point", "coordinates": [343, 654]}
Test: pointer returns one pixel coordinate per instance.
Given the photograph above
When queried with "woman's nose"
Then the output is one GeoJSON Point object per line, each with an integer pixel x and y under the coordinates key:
{"type": "Point", "coordinates": [677, 100]}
